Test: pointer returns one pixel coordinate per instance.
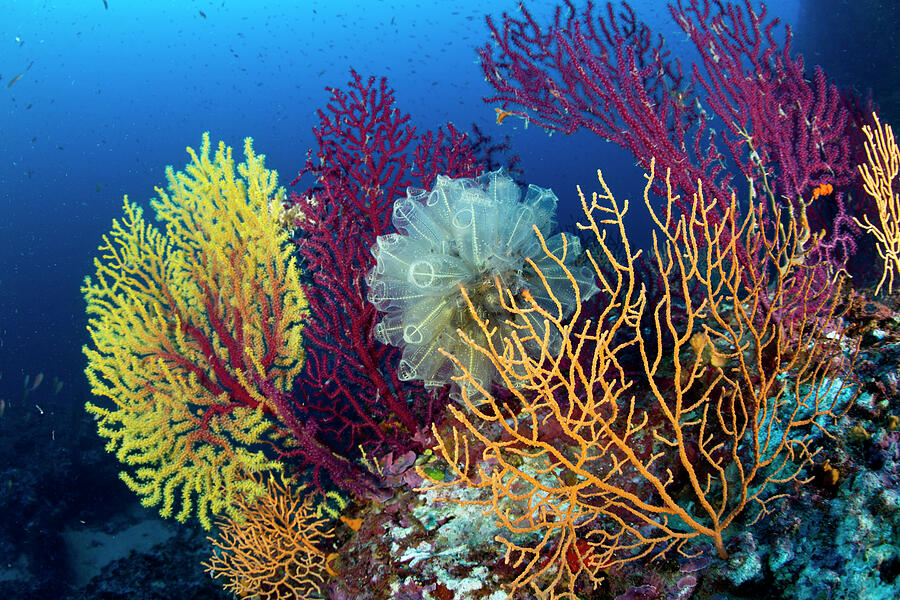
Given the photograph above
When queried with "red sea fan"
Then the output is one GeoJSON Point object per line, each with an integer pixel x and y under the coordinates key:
{"type": "Point", "coordinates": [368, 155]}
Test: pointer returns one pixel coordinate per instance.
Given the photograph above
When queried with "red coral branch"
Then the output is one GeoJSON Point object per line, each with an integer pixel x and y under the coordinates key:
{"type": "Point", "coordinates": [603, 70]}
{"type": "Point", "coordinates": [368, 154]}
{"type": "Point", "coordinates": [800, 129]}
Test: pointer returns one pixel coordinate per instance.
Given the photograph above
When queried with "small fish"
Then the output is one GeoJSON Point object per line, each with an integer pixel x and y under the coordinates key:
{"type": "Point", "coordinates": [202, 14]}
{"type": "Point", "coordinates": [37, 381]}
{"type": "Point", "coordinates": [105, 5]}
{"type": "Point", "coordinates": [29, 66]}
{"type": "Point", "coordinates": [14, 79]}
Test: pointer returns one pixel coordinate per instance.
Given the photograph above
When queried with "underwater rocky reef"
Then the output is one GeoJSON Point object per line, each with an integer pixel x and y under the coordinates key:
{"type": "Point", "coordinates": [394, 377]}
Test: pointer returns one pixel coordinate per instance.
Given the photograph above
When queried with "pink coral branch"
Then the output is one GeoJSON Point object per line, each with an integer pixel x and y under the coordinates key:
{"type": "Point", "coordinates": [602, 70]}
{"type": "Point", "coordinates": [800, 129]}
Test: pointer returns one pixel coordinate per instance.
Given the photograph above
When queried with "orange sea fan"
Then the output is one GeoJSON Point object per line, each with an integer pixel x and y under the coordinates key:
{"type": "Point", "coordinates": [276, 552]}
{"type": "Point", "coordinates": [651, 428]}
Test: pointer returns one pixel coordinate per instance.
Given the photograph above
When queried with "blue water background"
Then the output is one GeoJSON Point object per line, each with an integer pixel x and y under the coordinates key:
{"type": "Point", "coordinates": [109, 97]}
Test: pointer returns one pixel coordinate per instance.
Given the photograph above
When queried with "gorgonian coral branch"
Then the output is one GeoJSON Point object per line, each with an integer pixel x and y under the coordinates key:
{"type": "Point", "coordinates": [588, 461]}
{"type": "Point", "coordinates": [602, 70]}
{"type": "Point", "coordinates": [196, 336]}
{"type": "Point", "coordinates": [367, 156]}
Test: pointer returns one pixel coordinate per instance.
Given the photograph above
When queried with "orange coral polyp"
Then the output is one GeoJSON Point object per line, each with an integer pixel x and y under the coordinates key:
{"type": "Point", "coordinates": [502, 114]}
{"type": "Point", "coordinates": [823, 189]}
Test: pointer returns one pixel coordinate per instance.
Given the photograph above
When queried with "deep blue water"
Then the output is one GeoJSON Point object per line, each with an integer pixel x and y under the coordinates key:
{"type": "Point", "coordinates": [109, 96]}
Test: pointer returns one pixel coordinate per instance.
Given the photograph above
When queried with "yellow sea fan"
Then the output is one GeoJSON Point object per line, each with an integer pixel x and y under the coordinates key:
{"type": "Point", "coordinates": [879, 174]}
{"type": "Point", "coordinates": [192, 333]}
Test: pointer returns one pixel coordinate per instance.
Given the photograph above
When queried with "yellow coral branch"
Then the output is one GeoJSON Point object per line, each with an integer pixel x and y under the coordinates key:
{"type": "Point", "coordinates": [187, 327]}
{"type": "Point", "coordinates": [879, 175]}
